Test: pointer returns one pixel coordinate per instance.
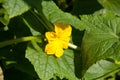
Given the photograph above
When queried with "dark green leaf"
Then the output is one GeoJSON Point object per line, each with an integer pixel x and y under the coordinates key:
{"type": "Point", "coordinates": [49, 66]}
{"type": "Point", "coordinates": [116, 56]}
{"type": "Point", "coordinates": [102, 32]}
{"type": "Point", "coordinates": [101, 70]}
{"type": "Point", "coordinates": [54, 14]}
{"type": "Point", "coordinates": [112, 5]}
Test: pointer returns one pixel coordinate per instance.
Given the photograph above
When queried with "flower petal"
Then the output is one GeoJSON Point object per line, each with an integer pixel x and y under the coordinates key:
{"type": "Point", "coordinates": [50, 36]}
{"type": "Point", "coordinates": [59, 52]}
{"type": "Point", "coordinates": [58, 40]}
{"type": "Point", "coordinates": [54, 47]}
{"type": "Point", "coordinates": [65, 42]}
{"type": "Point", "coordinates": [62, 29]}
{"type": "Point", "coordinates": [50, 48]}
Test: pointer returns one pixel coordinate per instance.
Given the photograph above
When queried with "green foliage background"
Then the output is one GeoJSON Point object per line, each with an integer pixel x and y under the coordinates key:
{"type": "Point", "coordinates": [96, 31]}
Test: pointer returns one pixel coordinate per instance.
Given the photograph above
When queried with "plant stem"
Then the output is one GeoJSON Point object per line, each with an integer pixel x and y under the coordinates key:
{"type": "Point", "coordinates": [13, 41]}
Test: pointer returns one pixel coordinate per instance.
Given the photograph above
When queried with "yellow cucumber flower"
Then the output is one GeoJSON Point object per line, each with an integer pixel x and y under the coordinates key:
{"type": "Point", "coordinates": [58, 40]}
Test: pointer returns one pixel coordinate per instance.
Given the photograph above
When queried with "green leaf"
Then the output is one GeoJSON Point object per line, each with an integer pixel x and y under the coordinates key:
{"type": "Point", "coordinates": [15, 7]}
{"type": "Point", "coordinates": [116, 56]}
{"type": "Point", "coordinates": [112, 5]}
{"type": "Point", "coordinates": [54, 14]}
{"type": "Point", "coordinates": [48, 66]}
{"type": "Point", "coordinates": [101, 69]}
{"type": "Point", "coordinates": [102, 33]}
{"type": "Point", "coordinates": [1, 1]}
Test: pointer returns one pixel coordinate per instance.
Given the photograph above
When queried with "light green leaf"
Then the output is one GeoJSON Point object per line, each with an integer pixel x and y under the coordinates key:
{"type": "Point", "coordinates": [48, 66]}
{"type": "Point", "coordinates": [101, 70]}
{"type": "Point", "coordinates": [102, 33]}
{"type": "Point", "coordinates": [112, 5]}
{"type": "Point", "coordinates": [15, 7]}
{"type": "Point", "coordinates": [54, 14]}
